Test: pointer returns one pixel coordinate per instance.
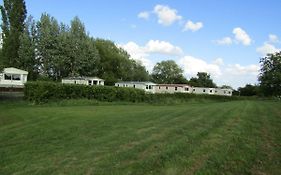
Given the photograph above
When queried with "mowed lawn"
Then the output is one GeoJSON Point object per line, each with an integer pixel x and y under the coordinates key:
{"type": "Point", "coordinates": [239, 137]}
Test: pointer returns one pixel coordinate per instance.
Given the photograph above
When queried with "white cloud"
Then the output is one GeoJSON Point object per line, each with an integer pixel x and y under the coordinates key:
{"type": "Point", "coordinates": [144, 15]}
{"type": "Point", "coordinates": [192, 66]}
{"type": "Point", "coordinates": [237, 75]}
{"type": "Point", "coordinates": [142, 53]}
{"type": "Point", "coordinates": [237, 69]}
{"type": "Point", "coordinates": [193, 26]}
{"type": "Point", "coordinates": [273, 38]}
{"type": "Point", "coordinates": [242, 36]}
{"type": "Point", "coordinates": [218, 61]}
{"type": "Point", "coordinates": [224, 41]}
{"type": "Point", "coordinates": [166, 15]}
{"type": "Point", "coordinates": [267, 49]}
{"type": "Point", "coordinates": [162, 47]}
{"type": "Point", "coordinates": [234, 75]}
{"type": "Point", "coordinates": [138, 53]}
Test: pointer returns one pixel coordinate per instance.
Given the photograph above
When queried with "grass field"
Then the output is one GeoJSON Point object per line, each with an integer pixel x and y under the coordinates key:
{"type": "Point", "coordinates": [239, 137]}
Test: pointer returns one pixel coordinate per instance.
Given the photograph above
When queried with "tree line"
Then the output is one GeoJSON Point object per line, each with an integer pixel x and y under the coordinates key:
{"type": "Point", "coordinates": [51, 50]}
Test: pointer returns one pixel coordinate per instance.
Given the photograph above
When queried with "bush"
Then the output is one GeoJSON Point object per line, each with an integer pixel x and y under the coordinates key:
{"type": "Point", "coordinates": [43, 91]}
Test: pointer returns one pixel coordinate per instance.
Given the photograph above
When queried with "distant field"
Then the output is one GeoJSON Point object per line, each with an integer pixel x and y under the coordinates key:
{"type": "Point", "coordinates": [239, 137]}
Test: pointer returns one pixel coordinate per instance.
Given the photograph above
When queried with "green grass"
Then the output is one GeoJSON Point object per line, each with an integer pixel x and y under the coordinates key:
{"type": "Point", "coordinates": [239, 137]}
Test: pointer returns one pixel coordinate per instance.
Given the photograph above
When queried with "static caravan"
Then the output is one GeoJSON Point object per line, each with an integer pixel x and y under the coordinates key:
{"type": "Point", "coordinates": [172, 88]}
{"type": "Point", "coordinates": [91, 81]}
{"type": "Point", "coordinates": [13, 77]}
{"type": "Point", "coordinates": [203, 90]}
{"type": "Point", "coordinates": [225, 92]}
{"type": "Point", "coordinates": [144, 85]}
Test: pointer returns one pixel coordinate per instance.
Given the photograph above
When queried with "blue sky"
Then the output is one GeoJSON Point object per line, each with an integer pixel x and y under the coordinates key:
{"type": "Point", "coordinates": [225, 38]}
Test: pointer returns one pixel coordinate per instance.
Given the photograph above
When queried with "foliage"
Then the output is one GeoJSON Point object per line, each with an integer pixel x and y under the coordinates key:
{"type": "Point", "coordinates": [270, 76]}
{"type": "Point", "coordinates": [41, 92]}
{"type": "Point", "coordinates": [203, 79]}
{"type": "Point", "coordinates": [249, 90]}
{"type": "Point", "coordinates": [13, 14]}
{"type": "Point", "coordinates": [47, 45]}
{"type": "Point", "coordinates": [27, 48]}
{"type": "Point", "coordinates": [167, 72]}
{"type": "Point", "coordinates": [44, 91]}
{"type": "Point", "coordinates": [226, 87]}
{"type": "Point", "coordinates": [82, 54]}
{"type": "Point", "coordinates": [115, 64]}
{"type": "Point", "coordinates": [49, 50]}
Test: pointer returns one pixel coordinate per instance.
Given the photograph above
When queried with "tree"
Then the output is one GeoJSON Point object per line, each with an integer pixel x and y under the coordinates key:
{"type": "Point", "coordinates": [226, 87]}
{"type": "Point", "coordinates": [203, 80]}
{"type": "Point", "coordinates": [138, 72]}
{"type": "Point", "coordinates": [167, 72]}
{"type": "Point", "coordinates": [27, 50]}
{"type": "Point", "coordinates": [248, 90]}
{"type": "Point", "coordinates": [270, 76]}
{"type": "Point", "coordinates": [47, 45]}
{"type": "Point", "coordinates": [116, 65]}
{"type": "Point", "coordinates": [1, 60]}
{"type": "Point", "coordinates": [81, 51]}
{"type": "Point", "coordinates": [13, 17]}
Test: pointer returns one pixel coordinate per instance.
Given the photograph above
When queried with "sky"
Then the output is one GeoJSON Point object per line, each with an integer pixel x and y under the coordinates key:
{"type": "Point", "coordinates": [225, 38]}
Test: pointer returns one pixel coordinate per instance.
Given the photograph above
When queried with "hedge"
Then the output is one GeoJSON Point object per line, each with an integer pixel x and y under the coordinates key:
{"type": "Point", "coordinates": [42, 92]}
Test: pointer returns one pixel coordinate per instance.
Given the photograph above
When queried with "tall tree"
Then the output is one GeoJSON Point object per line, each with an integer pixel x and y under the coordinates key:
{"type": "Point", "coordinates": [27, 50]}
{"type": "Point", "coordinates": [138, 72]}
{"type": "Point", "coordinates": [114, 62]}
{"type": "Point", "coordinates": [13, 17]}
{"type": "Point", "coordinates": [83, 54]}
{"type": "Point", "coordinates": [1, 60]}
{"type": "Point", "coordinates": [270, 76]}
{"type": "Point", "coordinates": [203, 79]}
{"type": "Point", "coordinates": [167, 72]}
{"type": "Point", "coordinates": [47, 45]}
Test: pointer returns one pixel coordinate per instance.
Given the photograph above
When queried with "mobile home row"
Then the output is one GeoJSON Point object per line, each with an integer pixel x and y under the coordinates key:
{"type": "Point", "coordinates": [174, 88]}
{"type": "Point", "coordinates": [13, 77]}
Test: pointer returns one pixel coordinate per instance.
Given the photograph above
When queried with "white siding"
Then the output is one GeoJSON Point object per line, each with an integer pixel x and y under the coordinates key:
{"type": "Point", "coordinates": [172, 89]}
{"type": "Point", "coordinates": [84, 81]}
{"type": "Point", "coordinates": [12, 77]}
{"type": "Point", "coordinates": [146, 86]}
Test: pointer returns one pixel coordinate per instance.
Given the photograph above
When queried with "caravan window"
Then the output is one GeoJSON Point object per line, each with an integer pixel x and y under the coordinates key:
{"type": "Point", "coordinates": [90, 82]}
{"type": "Point", "coordinates": [8, 76]}
{"type": "Point", "coordinates": [16, 77]}
{"type": "Point", "coordinates": [176, 88]}
{"type": "Point", "coordinates": [186, 89]}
